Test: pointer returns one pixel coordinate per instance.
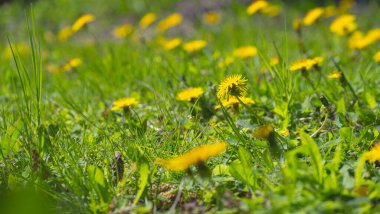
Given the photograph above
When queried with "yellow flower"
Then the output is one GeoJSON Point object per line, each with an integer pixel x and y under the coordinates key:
{"type": "Point", "coordinates": [211, 18]}
{"type": "Point", "coordinates": [374, 154]}
{"type": "Point", "coordinates": [194, 45]}
{"type": "Point", "coordinates": [312, 16]}
{"type": "Point", "coordinates": [82, 21]}
{"type": "Point", "coordinates": [65, 33]}
{"type": "Point", "coordinates": [169, 22]}
{"type": "Point", "coordinates": [263, 132]}
{"type": "Point", "coordinates": [335, 75]}
{"type": "Point", "coordinates": [274, 61]}
{"type": "Point", "coordinates": [359, 41]}
{"type": "Point", "coordinates": [21, 48]}
{"type": "Point", "coordinates": [189, 94]}
{"type": "Point", "coordinates": [330, 11]}
{"type": "Point", "coordinates": [71, 64]}
{"type": "Point", "coordinates": [147, 20]}
{"type": "Point", "coordinates": [234, 85]}
{"type": "Point", "coordinates": [376, 57]}
{"type": "Point", "coordinates": [256, 6]}
{"type": "Point", "coordinates": [272, 10]}
{"type": "Point", "coordinates": [171, 43]}
{"type": "Point", "coordinates": [195, 156]}
{"type": "Point", "coordinates": [122, 31]}
{"type": "Point", "coordinates": [245, 52]}
{"type": "Point", "coordinates": [305, 64]}
{"type": "Point", "coordinates": [284, 132]}
{"type": "Point", "coordinates": [123, 103]}
{"type": "Point", "coordinates": [228, 60]}
{"type": "Point", "coordinates": [233, 101]}
{"type": "Point", "coordinates": [343, 25]}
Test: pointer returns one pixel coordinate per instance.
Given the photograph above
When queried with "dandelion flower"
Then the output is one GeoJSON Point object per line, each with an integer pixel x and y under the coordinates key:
{"type": "Point", "coordinates": [234, 85]}
{"type": "Point", "coordinates": [122, 31]}
{"type": "Point", "coordinates": [228, 60]}
{"type": "Point", "coordinates": [376, 57]}
{"type": "Point", "coordinates": [312, 16]}
{"type": "Point", "coordinates": [256, 6]}
{"type": "Point", "coordinates": [263, 132]}
{"type": "Point", "coordinates": [147, 20]}
{"type": "Point", "coordinates": [211, 18]}
{"type": "Point", "coordinates": [359, 41]}
{"type": "Point", "coordinates": [171, 43]}
{"type": "Point", "coordinates": [194, 45]}
{"type": "Point", "coordinates": [305, 64]}
{"type": "Point", "coordinates": [335, 75]}
{"type": "Point", "coordinates": [71, 64]}
{"type": "Point", "coordinates": [65, 33]}
{"type": "Point", "coordinates": [169, 22]}
{"type": "Point", "coordinates": [245, 52]}
{"type": "Point", "coordinates": [195, 156]}
{"type": "Point", "coordinates": [233, 101]}
{"type": "Point", "coordinates": [124, 103]}
{"type": "Point", "coordinates": [343, 25]}
{"type": "Point", "coordinates": [82, 21]}
{"type": "Point", "coordinates": [189, 94]}
{"type": "Point", "coordinates": [374, 154]}
{"type": "Point", "coordinates": [272, 10]}
{"type": "Point", "coordinates": [274, 61]}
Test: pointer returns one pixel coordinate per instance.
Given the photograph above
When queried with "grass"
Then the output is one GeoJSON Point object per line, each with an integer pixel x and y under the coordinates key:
{"type": "Point", "coordinates": [63, 150]}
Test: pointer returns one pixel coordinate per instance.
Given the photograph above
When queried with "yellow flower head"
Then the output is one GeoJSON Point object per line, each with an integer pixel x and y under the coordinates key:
{"type": "Point", "coordinates": [194, 45]}
{"type": "Point", "coordinates": [234, 85]}
{"type": "Point", "coordinates": [343, 25]}
{"type": "Point", "coordinates": [376, 57]}
{"type": "Point", "coordinates": [169, 22]}
{"type": "Point", "coordinates": [228, 60]}
{"type": "Point", "coordinates": [312, 16]}
{"type": "Point", "coordinates": [272, 10]}
{"type": "Point", "coordinates": [263, 132]}
{"type": "Point", "coordinates": [374, 154]}
{"type": "Point", "coordinates": [257, 6]}
{"type": "Point", "coordinates": [171, 43]}
{"type": "Point", "coordinates": [122, 31]}
{"type": "Point", "coordinates": [305, 64]}
{"type": "Point", "coordinates": [359, 41]}
{"type": "Point", "coordinates": [233, 101]}
{"type": "Point", "coordinates": [189, 94]}
{"type": "Point", "coordinates": [245, 52]}
{"type": "Point", "coordinates": [195, 156]}
{"type": "Point", "coordinates": [124, 103]}
{"type": "Point", "coordinates": [147, 20]}
{"type": "Point", "coordinates": [65, 33]}
{"type": "Point", "coordinates": [274, 61]}
{"type": "Point", "coordinates": [335, 75]}
{"type": "Point", "coordinates": [82, 21]}
{"type": "Point", "coordinates": [71, 64]}
{"type": "Point", "coordinates": [211, 18]}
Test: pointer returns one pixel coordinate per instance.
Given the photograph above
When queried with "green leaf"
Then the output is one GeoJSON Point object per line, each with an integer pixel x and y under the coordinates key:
{"type": "Point", "coordinates": [316, 158]}
{"type": "Point", "coordinates": [370, 100]}
{"type": "Point", "coordinates": [341, 107]}
{"type": "Point", "coordinates": [242, 173]}
{"type": "Point", "coordinates": [143, 181]}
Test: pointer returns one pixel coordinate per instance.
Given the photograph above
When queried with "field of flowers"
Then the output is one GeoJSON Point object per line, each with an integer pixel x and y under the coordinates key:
{"type": "Point", "coordinates": [197, 106]}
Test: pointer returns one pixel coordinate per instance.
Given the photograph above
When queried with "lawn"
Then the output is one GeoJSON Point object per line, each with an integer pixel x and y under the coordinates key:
{"type": "Point", "coordinates": [200, 106]}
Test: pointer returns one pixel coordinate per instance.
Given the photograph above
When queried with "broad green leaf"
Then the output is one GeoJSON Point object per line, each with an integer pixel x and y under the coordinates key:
{"type": "Point", "coordinates": [315, 155]}
{"type": "Point", "coordinates": [143, 181]}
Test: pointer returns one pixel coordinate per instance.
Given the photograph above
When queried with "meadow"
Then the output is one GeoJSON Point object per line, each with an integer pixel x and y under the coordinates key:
{"type": "Point", "coordinates": [163, 106]}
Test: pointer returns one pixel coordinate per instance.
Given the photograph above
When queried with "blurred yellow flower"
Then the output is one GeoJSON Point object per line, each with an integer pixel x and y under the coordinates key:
{"type": "Point", "coordinates": [376, 57]}
{"type": "Point", "coordinates": [234, 85]}
{"type": "Point", "coordinates": [263, 132]}
{"type": "Point", "coordinates": [123, 103]}
{"type": "Point", "coordinates": [297, 23]}
{"type": "Point", "coordinates": [228, 60]}
{"type": "Point", "coordinates": [343, 25]}
{"type": "Point", "coordinates": [122, 31]}
{"type": "Point", "coordinates": [256, 6]}
{"type": "Point", "coordinates": [71, 64]}
{"type": "Point", "coordinates": [335, 75]}
{"type": "Point", "coordinates": [305, 64]}
{"type": "Point", "coordinates": [359, 41]}
{"type": "Point", "coordinates": [245, 52]}
{"type": "Point", "coordinates": [65, 33]}
{"type": "Point", "coordinates": [233, 101]}
{"type": "Point", "coordinates": [20, 48]}
{"type": "Point", "coordinates": [284, 132]}
{"type": "Point", "coordinates": [211, 18]}
{"type": "Point", "coordinates": [312, 16]}
{"type": "Point", "coordinates": [82, 21]}
{"type": "Point", "coordinates": [272, 10]}
{"type": "Point", "coordinates": [195, 156]}
{"type": "Point", "coordinates": [194, 45]}
{"type": "Point", "coordinates": [171, 43]}
{"type": "Point", "coordinates": [147, 20]}
{"type": "Point", "coordinates": [330, 11]}
{"type": "Point", "coordinates": [274, 61]}
{"type": "Point", "coordinates": [190, 94]}
{"type": "Point", "coordinates": [169, 22]}
{"type": "Point", "coordinates": [374, 154]}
